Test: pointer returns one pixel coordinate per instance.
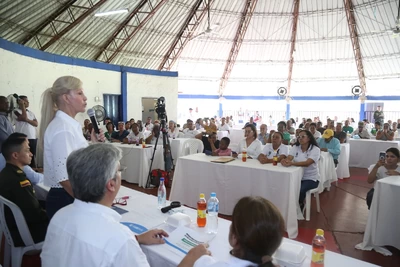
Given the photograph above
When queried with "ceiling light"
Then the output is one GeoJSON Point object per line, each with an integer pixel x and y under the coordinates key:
{"type": "Point", "coordinates": [112, 12]}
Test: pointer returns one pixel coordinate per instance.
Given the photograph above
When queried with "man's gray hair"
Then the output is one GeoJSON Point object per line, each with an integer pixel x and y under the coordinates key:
{"type": "Point", "coordinates": [89, 169]}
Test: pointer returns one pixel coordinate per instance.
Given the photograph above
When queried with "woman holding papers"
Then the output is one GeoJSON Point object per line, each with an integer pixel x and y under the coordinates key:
{"type": "Point", "coordinates": [60, 134]}
{"type": "Point", "coordinates": [305, 153]}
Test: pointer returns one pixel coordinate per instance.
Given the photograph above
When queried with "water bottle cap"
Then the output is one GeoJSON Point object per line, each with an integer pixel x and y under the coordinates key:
{"type": "Point", "coordinates": [201, 195]}
{"type": "Point", "coordinates": [320, 232]}
{"type": "Point", "coordinates": [213, 194]}
{"type": "Point", "coordinates": [162, 179]}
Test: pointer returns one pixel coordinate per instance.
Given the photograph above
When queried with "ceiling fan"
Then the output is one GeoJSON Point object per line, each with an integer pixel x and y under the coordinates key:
{"type": "Point", "coordinates": [211, 29]}
{"type": "Point", "coordinates": [396, 29]}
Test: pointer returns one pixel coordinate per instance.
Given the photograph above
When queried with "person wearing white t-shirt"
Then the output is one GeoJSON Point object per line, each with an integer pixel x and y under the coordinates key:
{"type": "Point", "coordinates": [135, 135]}
{"type": "Point", "coordinates": [383, 168]}
{"type": "Point", "coordinates": [173, 131]}
{"type": "Point", "coordinates": [148, 125]}
{"type": "Point", "coordinates": [223, 126]}
{"type": "Point", "coordinates": [251, 144]}
{"type": "Point", "coordinates": [313, 130]}
{"type": "Point", "coordinates": [274, 148]}
{"type": "Point", "coordinates": [60, 134]}
{"type": "Point", "coordinates": [88, 232]}
{"type": "Point", "coordinates": [256, 232]}
{"type": "Point", "coordinates": [190, 131]}
{"type": "Point", "coordinates": [26, 123]}
{"type": "Point", "coordinates": [305, 153]}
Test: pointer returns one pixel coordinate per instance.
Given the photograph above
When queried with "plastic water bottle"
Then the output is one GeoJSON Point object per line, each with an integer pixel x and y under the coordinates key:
{"type": "Point", "coordinates": [318, 249]}
{"type": "Point", "coordinates": [162, 194]}
{"type": "Point", "coordinates": [212, 208]}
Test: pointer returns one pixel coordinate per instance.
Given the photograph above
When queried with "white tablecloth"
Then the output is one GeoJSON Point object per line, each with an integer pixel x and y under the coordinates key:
{"type": "Point", "coordinates": [384, 216]}
{"type": "Point", "coordinates": [343, 170]}
{"type": "Point", "coordinates": [364, 152]}
{"type": "Point", "coordinates": [327, 171]}
{"type": "Point", "coordinates": [137, 161]}
{"type": "Point", "coordinates": [195, 174]}
{"type": "Point", "coordinates": [142, 209]}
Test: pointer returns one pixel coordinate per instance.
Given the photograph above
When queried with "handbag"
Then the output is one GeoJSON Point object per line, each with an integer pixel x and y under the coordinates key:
{"type": "Point", "coordinates": [156, 175]}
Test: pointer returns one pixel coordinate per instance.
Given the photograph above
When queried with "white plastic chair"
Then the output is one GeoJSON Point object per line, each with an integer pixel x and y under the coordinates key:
{"type": "Point", "coordinates": [16, 252]}
{"type": "Point", "coordinates": [308, 201]}
{"type": "Point", "coordinates": [192, 146]}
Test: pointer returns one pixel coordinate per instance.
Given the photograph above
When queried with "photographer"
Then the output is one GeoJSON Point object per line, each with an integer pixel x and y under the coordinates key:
{"type": "Point", "coordinates": [207, 139]}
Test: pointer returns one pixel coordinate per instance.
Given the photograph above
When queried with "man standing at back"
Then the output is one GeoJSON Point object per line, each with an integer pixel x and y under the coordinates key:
{"type": "Point", "coordinates": [6, 127]}
{"type": "Point", "coordinates": [26, 123]}
{"type": "Point", "coordinates": [88, 232]}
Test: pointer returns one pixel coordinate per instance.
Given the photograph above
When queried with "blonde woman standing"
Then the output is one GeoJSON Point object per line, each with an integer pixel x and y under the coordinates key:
{"type": "Point", "coordinates": [60, 134]}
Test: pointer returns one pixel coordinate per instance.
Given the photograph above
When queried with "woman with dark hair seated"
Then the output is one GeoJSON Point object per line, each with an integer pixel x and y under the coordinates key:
{"type": "Point", "coordinates": [384, 168]}
{"type": "Point", "coordinates": [255, 234]}
{"type": "Point", "coordinates": [250, 143]}
{"type": "Point", "coordinates": [305, 153]}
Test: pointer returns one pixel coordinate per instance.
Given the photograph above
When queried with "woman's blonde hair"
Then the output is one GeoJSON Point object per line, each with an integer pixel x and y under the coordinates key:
{"type": "Point", "coordinates": [51, 100]}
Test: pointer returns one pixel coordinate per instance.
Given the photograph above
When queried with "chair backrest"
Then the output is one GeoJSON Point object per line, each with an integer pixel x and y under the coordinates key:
{"type": "Point", "coordinates": [19, 219]}
{"type": "Point", "coordinates": [192, 146]}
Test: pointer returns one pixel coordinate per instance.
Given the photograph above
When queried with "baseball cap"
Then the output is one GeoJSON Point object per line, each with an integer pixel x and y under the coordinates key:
{"type": "Point", "coordinates": [327, 134]}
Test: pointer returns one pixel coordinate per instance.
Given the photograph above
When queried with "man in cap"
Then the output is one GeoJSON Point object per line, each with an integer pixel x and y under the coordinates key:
{"type": "Point", "coordinates": [361, 131]}
{"type": "Point", "coordinates": [328, 143]}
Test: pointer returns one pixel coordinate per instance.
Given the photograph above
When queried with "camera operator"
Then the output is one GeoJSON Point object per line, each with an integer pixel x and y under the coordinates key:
{"type": "Point", "coordinates": [208, 138]}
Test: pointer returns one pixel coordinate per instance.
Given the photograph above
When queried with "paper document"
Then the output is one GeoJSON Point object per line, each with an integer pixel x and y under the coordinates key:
{"type": "Point", "coordinates": [184, 239]}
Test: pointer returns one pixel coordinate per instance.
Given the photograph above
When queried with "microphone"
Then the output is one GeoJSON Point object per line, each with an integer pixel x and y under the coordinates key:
{"type": "Point", "coordinates": [92, 117]}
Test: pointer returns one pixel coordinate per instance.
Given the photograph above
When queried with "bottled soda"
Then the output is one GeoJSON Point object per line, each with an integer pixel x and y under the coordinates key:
{"type": "Point", "coordinates": [212, 209]}
{"type": "Point", "coordinates": [201, 211]}
{"type": "Point", "coordinates": [143, 143]}
{"type": "Point", "coordinates": [318, 249]}
{"type": "Point", "coordinates": [162, 194]}
{"type": "Point", "coordinates": [275, 159]}
{"type": "Point", "coordinates": [244, 155]}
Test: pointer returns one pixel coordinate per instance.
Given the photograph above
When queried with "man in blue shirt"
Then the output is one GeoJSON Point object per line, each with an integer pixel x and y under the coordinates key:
{"type": "Point", "coordinates": [328, 143]}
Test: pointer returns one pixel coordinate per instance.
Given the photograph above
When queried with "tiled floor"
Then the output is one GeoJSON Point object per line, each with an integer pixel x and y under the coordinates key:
{"type": "Point", "coordinates": [343, 216]}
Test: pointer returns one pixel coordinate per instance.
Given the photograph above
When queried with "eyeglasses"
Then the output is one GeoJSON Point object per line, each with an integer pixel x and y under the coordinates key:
{"type": "Point", "coordinates": [121, 201]}
{"type": "Point", "coordinates": [302, 136]}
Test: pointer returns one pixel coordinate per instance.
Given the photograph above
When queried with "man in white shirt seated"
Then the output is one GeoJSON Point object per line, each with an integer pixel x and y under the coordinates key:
{"type": "Point", "coordinates": [224, 126]}
{"type": "Point", "coordinates": [190, 131]}
{"type": "Point", "coordinates": [229, 121]}
{"type": "Point", "coordinates": [361, 131]}
{"type": "Point", "coordinates": [155, 134]}
{"type": "Point", "coordinates": [148, 125]}
{"type": "Point", "coordinates": [88, 232]}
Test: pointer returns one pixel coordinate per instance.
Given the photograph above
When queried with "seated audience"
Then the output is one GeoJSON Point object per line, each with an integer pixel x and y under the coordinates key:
{"type": "Point", "coordinates": [255, 234]}
{"type": "Point", "coordinates": [251, 122]}
{"type": "Point", "coordinates": [148, 125]}
{"type": "Point", "coordinates": [128, 126]}
{"type": "Point", "coordinates": [155, 135]}
{"type": "Point", "coordinates": [347, 128]}
{"type": "Point", "coordinates": [135, 135]}
{"type": "Point", "coordinates": [313, 130]}
{"type": "Point", "coordinates": [104, 124]}
{"type": "Point", "coordinates": [263, 135]}
{"type": "Point", "coordinates": [286, 134]}
{"type": "Point", "coordinates": [394, 126]}
{"type": "Point", "coordinates": [386, 134]}
{"type": "Point", "coordinates": [33, 176]}
{"type": "Point", "coordinates": [320, 128]}
{"type": "Point", "coordinates": [199, 124]}
{"type": "Point", "coordinates": [223, 149]}
{"type": "Point", "coordinates": [121, 134]}
{"type": "Point", "coordinates": [361, 131]}
{"type": "Point", "coordinates": [305, 153]}
{"type": "Point", "coordinates": [132, 121]}
{"type": "Point", "coordinates": [229, 121]}
{"type": "Point", "coordinates": [88, 232]}
{"type": "Point", "coordinates": [173, 131]}
{"type": "Point", "coordinates": [223, 126]}
{"type": "Point", "coordinates": [303, 121]}
{"type": "Point", "coordinates": [328, 143]}
{"type": "Point", "coordinates": [140, 124]}
{"type": "Point", "coordinates": [293, 141]}
{"type": "Point", "coordinates": [90, 128]}
{"type": "Point", "coordinates": [110, 130]}
{"type": "Point", "coordinates": [376, 129]}
{"type": "Point", "coordinates": [208, 139]}
{"type": "Point", "coordinates": [251, 144]}
{"type": "Point", "coordinates": [384, 168]}
{"type": "Point", "coordinates": [289, 127]}
{"type": "Point", "coordinates": [190, 131]}
{"type": "Point", "coordinates": [274, 148]}
{"type": "Point", "coordinates": [17, 188]}
{"type": "Point", "coordinates": [339, 133]}
{"type": "Point", "coordinates": [85, 130]}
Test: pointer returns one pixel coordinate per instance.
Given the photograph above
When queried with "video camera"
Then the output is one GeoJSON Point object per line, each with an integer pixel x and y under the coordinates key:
{"type": "Point", "coordinates": [160, 108]}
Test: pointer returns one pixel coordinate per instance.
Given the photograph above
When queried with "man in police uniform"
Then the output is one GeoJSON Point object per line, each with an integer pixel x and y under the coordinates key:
{"type": "Point", "coordinates": [16, 187]}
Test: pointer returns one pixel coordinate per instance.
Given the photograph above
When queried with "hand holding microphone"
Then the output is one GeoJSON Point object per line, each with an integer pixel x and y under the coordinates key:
{"type": "Point", "coordinates": [97, 135]}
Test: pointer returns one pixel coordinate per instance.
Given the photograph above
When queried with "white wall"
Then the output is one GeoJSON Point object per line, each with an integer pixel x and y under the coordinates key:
{"type": "Point", "coordinates": [140, 85]}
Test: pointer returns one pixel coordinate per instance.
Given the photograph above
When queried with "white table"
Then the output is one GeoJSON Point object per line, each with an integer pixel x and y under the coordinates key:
{"type": "Point", "coordinates": [383, 218]}
{"type": "Point", "coordinates": [343, 170]}
{"type": "Point", "coordinates": [195, 174]}
{"type": "Point", "coordinates": [137, 162]}
{"type": "Point", "coordinates": [142, 209]}
{"type": "Point", "coordinates": [364, 152]}
{"type": "Point", "coordinates": [327, 171]}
